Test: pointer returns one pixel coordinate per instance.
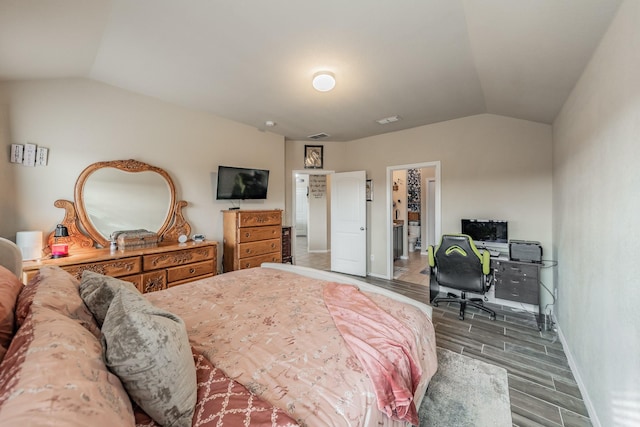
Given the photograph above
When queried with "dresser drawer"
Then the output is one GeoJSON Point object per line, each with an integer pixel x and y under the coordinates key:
{"type": "Point", "coordinates": [246, 250]}
{"type": "Point", "coordinates": [256, 261]}
{"type": "Point", "coordinates": [252, 234]}
{"type": "Point", "coordinates": [520, 290]}
{"type": "Point", "coordinates": [510, 269]}
{"type": "Point", "coordinates": [259, 218]}
{"type": "Point", "coordinates": [191, 271]}
{"type": "Point", "coordinates": [175, 258]}
{"type": "Point", "coordinates": [114, 268]}
{"type": "Point", "coordinates": [135, 280]}
{"type": "Point", "coordinates": [153, 281]}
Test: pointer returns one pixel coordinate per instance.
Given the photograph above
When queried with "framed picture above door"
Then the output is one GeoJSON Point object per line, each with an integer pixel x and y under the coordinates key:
{"type": "Point", "coordinates": [313, 156]}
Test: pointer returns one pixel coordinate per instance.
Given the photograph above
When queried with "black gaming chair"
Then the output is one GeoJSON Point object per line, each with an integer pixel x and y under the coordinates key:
{"type": "Point", "coordinates": [458, 264]}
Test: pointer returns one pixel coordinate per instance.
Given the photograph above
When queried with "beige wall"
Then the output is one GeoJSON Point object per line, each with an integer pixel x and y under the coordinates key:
{"type": "Point", "coordinates": [82, 122]}
{"type": "Point", "coordinates": [8, 213]}
{"type": "Point", "coordinates": [595, 209]}
{"type": "Point", "coordinates": [491, 167]}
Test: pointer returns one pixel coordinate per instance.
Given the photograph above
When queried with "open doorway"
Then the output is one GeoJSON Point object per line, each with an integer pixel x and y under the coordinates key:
{"type": "Point", "coordinates": [311, 219]}
{"type": "Point", "coordinates": [414, 219]}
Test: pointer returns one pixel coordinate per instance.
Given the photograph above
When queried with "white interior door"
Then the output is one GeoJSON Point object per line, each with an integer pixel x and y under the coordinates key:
{"type": "Point", "coordinates": [349, 223]}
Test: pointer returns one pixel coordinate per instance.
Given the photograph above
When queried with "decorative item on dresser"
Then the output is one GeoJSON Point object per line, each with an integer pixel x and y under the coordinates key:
{"type": "Point", "coordinates": [251, 237]}
{"type": "Point", "coordinates": [128, 195]}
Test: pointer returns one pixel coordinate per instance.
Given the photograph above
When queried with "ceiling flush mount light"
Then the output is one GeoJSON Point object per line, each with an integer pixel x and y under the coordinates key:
{"type": "Point", "coordinates": [388, 120]}
{"type": "Point", "coordinates": [269, 123]}
{"type": "Point", "coordinates": [324, 81]}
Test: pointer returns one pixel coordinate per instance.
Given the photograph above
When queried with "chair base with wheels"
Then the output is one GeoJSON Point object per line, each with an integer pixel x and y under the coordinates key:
{"type": "Point", "coordinates": [463, 301]}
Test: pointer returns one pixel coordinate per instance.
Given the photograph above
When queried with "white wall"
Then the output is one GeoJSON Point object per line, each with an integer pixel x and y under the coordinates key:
{"type": "Point", "coordinates": [82, 122]}
{"type": "Point", "coordinates": [595, 208]}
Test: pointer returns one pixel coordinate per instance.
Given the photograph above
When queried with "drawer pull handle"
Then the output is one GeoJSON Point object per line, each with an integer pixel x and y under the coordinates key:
{"type": "Point", "coordinates": [192, 270]}
{"type": "Point", "coordinates": [247, 234]}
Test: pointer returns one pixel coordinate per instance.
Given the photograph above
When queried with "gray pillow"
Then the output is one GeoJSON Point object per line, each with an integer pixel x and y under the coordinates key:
{"type": "Point", "coordinates": [97, 291]}
{"type": "Point", "coordinates": [148, 349]}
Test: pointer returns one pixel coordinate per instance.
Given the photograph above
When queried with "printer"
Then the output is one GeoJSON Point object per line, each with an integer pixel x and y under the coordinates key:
{"type": "Point", "coordinates": [525, 251]}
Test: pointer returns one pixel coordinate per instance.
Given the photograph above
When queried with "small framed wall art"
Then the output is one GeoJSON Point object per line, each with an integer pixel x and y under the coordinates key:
{"type": "Point", "coordinates": [313, 156]}
{"type": "Point", "coordinates": [369, 190]}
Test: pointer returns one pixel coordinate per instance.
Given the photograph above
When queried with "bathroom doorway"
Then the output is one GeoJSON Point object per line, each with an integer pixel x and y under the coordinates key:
{"type": "Point", "coordinates": [414, 192]}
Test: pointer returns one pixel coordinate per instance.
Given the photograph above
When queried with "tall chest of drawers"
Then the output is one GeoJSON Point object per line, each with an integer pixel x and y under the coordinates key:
{"type": "Point", "coordinates": [251, 237]}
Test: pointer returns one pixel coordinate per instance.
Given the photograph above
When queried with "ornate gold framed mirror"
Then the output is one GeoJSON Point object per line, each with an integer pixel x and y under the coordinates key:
{"type": "Point", "coordinates": [122, 195]}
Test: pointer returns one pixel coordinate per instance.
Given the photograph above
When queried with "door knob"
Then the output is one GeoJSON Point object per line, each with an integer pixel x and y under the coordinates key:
{"type": "Point", "coordinates": [361, 228]}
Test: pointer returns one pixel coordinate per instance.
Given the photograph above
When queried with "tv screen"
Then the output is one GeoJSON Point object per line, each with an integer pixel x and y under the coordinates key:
{"type": "Point", "coordinates": [242, 183]}
{"type": "Point", "coordinates": [486, 230]}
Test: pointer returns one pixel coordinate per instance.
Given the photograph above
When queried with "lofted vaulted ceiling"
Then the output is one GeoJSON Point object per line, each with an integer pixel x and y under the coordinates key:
{"type": "Point", "coordinates": [253, 60]}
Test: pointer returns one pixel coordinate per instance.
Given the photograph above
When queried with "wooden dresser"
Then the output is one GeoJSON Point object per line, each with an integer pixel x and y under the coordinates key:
{"type": "Point", "coordinates": [149, 269]}
{"type": "Point", "coordinates": [251, 237]}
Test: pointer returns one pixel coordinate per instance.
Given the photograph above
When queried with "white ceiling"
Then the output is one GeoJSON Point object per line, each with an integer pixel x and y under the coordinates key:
{"type": "Point", "coordinates": [252, 61]}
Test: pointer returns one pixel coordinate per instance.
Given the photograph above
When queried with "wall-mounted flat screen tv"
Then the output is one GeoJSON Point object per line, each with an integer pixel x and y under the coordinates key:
{"type": "Point", "coordinates": [242, 183]}
{"type": "Point", "coordinates": [486, 230]}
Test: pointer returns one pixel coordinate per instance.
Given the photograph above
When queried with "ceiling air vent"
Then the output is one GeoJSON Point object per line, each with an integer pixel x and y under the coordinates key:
{"type": "Point", "coordinates": [318, 136]}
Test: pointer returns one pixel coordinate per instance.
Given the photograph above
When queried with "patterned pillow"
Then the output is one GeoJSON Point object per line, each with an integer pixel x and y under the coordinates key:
{"type": "Point", "coordinates": [10, 287]}
{"type": "Point", "coordinates": [149, 350]}
{"type": "Point", "coordinates": [53, 374]}
{"type": "Point", "coordinates": [56, 289]}
{"type": "Point", "coordinates": [225, 402]}
{"type": "Point", "coordinates": [97, 291]}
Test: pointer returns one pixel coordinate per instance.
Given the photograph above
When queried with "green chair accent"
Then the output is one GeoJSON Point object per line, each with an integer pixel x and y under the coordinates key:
{"type": "Point", "coordinates": [456, 263]}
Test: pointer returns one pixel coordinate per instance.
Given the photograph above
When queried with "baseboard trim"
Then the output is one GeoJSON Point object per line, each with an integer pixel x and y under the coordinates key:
{"type": "Point", "coordinates": [595, 422]}
{"type": "Point", "coordinates": [319, 251]}
{"type": "Point", "coordinates": [378, 276]}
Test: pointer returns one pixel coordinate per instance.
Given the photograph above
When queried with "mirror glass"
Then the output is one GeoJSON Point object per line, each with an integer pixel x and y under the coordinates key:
{"type": "Point", "coordinates": [118, 200]}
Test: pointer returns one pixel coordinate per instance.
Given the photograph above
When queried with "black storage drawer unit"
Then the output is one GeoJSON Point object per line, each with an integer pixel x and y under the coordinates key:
{"type": "Point", "coordinates": [286, 245]}
{"type": "Point", "coordinates": [517, 281]}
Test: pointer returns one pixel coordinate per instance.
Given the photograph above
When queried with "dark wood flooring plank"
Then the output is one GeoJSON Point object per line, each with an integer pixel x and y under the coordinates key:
{"type": "Point", "coordinates": [526, 418]}
{"type": "Point", "coordinates": [549, 395]}
{"type": "Point", "coordinates": [568, 387]}
{"type": "Point", "coordinates": [542, 410]}
{"type": "Point", "coordinates": [522, 420]}
{"type": "Point", "coordinates": [536, 355]}
{"type": "Point", "coordinates": [572, 419]}
{"type": "Point", "coordinates": [543, 367]}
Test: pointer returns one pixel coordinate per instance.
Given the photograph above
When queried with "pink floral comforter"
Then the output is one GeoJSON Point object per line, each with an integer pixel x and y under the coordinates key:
{"type": "Point", "coordinates": [271, 331]}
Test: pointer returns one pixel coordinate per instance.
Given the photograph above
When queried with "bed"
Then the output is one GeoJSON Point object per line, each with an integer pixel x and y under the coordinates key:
{"type": "Point", "coordinates": [278, 345]}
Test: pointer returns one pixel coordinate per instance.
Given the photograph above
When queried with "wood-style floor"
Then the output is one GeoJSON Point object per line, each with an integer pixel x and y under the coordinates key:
{"type": "Point", "coordinates": [542, 389]}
